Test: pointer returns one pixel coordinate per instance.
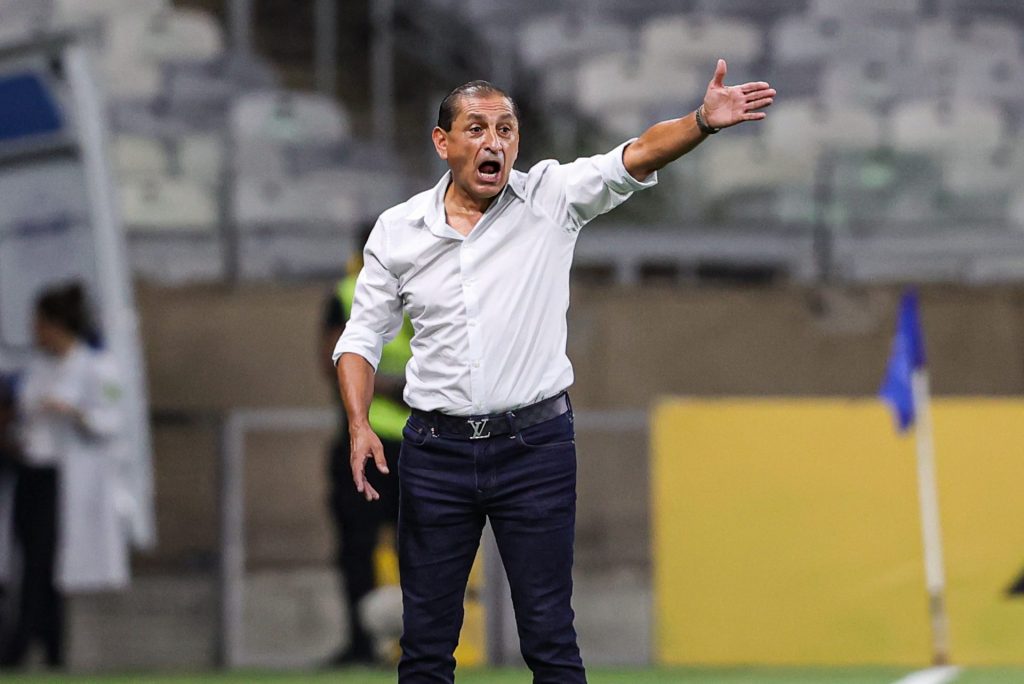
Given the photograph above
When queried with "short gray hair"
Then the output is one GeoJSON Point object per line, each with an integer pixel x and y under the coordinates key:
{"type": "Point", "coordinates": [448, 110]}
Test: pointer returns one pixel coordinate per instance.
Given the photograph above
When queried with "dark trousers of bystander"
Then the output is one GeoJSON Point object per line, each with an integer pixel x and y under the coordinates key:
{"type": "Point", "coordinates": [525, 484]}
{"type": "Point", "coordinates": [357, 523]}
{"type": "Point", "coordinates": [41, 606]}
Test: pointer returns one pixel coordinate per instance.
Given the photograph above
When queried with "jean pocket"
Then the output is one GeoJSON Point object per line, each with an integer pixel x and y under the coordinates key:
{"type": "Point", "coordinates": [557, 431]}
{"type": "Point", "coordinates": [415, 433]}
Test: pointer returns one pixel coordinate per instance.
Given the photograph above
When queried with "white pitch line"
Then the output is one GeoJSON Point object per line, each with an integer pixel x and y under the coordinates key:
{"type": "Point", "coordinates": [933, 675]}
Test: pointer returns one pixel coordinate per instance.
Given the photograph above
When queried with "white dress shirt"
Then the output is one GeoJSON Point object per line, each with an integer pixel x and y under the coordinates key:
{"type": "Point", "coordinates": [82, 379]}
{"type": "Point", "coordinates": [488, 309]}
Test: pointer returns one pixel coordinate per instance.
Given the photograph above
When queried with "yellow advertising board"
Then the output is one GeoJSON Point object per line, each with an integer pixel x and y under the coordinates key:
{"type": "Point", "coordinates": [787, 532]}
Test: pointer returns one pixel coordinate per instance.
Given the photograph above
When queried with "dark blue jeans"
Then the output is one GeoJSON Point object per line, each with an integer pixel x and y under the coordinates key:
{"type": "Point", "coordinates": [525, 484]}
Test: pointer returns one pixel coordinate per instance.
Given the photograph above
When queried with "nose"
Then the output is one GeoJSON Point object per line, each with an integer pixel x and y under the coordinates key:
{"type": "Point", "coordinates": [493, 141]}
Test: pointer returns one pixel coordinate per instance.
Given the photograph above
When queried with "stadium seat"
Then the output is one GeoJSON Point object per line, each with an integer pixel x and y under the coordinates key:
{"type": "Point", "coordinates": [984, 173]}
{"type": "Point", "coordinates": [83, 11]}
{"type": "Point", "coordinates": [167, 35]}
{"type": "Point", "coordinates": [554, 39]}
{"type": "Point", "coordinates": [136, 42]}
{"type": "Point", "coordinates": [641, 90]}
{"type": "Point", "coordinates": [761, 12]}
{"type": "Point", "coordinates": [637, 12]}
{"type": "Point", "coordinates": [319, 200]}
{"type": "Point", "coordinates": [200, 158]}
{"type": "Point", "coordinates": [933, 41]}
{"type": "Point", "coordinates": [804, 122]}
{"type": "Point", "coordinates": [995, 37]}
{"type": "Point", "coordinates": [739, 164]}
{"type": "Point", "coordinates": [136, 155]}
{"type": "Point", "coordinates": [872, 84]}
{"type": "Point", "coordinates": [125, 79]}
{"type": "Point", "coordinates": [868, 10]}
{"type": "Point", "coordinates": [945, 129]}
{"type": "Point", "coordinates": [202, 93]}
{"type": "Point", "coordinates": [799, 38]}
{"type": "Point", "coordinates": [1002, 9]}
{"type": "Point", "coordinates": [555, 45]}
{"type": "Point", "coordinates": [268, 126]}
{"type": "Point", "coordinates": [691, 40]}
{"type": "Point", "coordinates": [835, 39]}
{"type": "Point", "coordinates": [989, 75]}
{"type": "Point", "coordinates": [22, 18]}
{"type": "Point", "coordinates": [168, 204]}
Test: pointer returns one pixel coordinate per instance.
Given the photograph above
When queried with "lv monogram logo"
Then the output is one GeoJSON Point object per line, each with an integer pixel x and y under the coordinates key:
{"type": "Point", "coordinates": [478, 428]}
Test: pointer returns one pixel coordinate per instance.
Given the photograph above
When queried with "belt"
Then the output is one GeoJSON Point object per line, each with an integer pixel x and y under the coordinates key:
{"type": "Point", "coordinates": [495, 424]}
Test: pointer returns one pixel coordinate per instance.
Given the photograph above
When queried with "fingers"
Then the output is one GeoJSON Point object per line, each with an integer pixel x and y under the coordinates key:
{"type": "Point", "coordinates": [719, 79]}
{"type": "Point", "coordinates": [378, 458]}
{"type": "Point", "coordinates": [753, 86]}
{"type": "Point", "coordinates": [759, 104]}
{"type": "Point", "coordinates": [358, 476]}
{"type": "Point", "coordinates": [363, 485]}
{"type": "Point", "coordinates": [371, 493]}
{"type": "Point", "coordinates": [760, 94]}
{"type": "Point", "coordinates": [754, 116]}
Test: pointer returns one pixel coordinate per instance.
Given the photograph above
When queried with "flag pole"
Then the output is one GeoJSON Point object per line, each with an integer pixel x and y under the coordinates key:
{"type": "Point", "coordinates": [931, 531]}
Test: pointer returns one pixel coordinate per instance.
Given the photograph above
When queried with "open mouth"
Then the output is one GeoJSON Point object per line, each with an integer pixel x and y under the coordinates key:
{"type": "Point", "coordinates": [489, 171]}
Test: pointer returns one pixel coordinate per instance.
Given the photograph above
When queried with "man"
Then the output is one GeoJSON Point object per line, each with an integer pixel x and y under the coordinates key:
{"type": "Point", "coordinates": [481, 265]}
{"type": "Point", "coordinates": [358, 522]}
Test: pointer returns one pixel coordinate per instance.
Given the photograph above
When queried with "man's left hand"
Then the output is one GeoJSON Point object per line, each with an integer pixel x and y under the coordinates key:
{"type": "Point", "coordinates": [726, 106]}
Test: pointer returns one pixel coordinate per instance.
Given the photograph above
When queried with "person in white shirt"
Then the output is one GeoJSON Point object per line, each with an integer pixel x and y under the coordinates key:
{"type": "Point", "coordinates": [480, 263]}
{"type": "Point", "coordinates": [66, 518]}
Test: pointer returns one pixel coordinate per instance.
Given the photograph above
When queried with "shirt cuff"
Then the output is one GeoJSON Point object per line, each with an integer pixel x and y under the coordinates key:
{"type": "Point", "coordinates": [357, 339]}
{"type": "Point", "coordinates": [615, 175]}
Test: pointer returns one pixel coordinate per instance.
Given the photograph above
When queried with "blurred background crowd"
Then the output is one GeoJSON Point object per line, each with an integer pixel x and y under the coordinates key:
{"type": "Point", "coordinates": [204, 169]}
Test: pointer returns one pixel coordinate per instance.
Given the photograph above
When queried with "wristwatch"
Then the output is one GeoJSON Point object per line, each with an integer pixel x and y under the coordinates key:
{"type": "Point", "coordinates": [702, 122]}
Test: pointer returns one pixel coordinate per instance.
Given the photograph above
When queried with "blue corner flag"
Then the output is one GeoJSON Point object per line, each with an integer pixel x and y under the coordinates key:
{"type": "Point", "coordinates": [906, 357]}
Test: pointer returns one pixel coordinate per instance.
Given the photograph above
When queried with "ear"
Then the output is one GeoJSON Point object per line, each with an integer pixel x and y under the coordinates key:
{"type": "Point", "coordinates": [440, 138]}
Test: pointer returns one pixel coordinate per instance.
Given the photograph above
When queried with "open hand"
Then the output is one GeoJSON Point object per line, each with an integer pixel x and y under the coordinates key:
{"type": "Point", "coordinates": [726, 106]}
{"type": "Point", "coordinates": [365, 445]}
{"type": "Point", "coordinates": [59, 407]}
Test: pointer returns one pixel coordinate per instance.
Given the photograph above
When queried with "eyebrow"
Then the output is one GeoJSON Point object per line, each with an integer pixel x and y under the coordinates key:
{"type": "Point", "coordinates": [480, 117]}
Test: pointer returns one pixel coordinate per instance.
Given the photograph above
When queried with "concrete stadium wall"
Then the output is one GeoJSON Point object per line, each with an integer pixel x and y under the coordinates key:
{"type": "Point", "coordinates": [209, 350]}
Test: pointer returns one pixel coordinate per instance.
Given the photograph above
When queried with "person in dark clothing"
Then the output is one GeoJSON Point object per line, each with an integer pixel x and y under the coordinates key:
{"type": "Point", "coordinates": [8, 470]}
{"type": "Point", "coordinates": [66, 522]}
{"type": "Point", "coordinates": [358, 524]}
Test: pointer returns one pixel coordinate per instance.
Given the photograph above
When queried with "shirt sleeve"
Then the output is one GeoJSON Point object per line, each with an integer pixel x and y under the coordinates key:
{"type": "Point", "coordinates": [377, 307]}
{"type": "Point", "coordinates": [576, 193]}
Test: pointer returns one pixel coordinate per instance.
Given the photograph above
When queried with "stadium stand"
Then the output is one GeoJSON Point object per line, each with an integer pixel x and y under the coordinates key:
{"type": "Point", "coordinates": [876, 93]}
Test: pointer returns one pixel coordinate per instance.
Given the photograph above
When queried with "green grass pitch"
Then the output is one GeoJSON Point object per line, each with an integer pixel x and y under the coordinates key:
{"type": "Point", "coordinates": [595, 676]}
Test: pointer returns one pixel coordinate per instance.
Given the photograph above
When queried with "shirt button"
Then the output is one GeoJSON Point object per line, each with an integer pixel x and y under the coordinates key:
{"type": "Point", "coordinates": [472, 322]}
{"type": "Point", "coordinates": [476, 364]}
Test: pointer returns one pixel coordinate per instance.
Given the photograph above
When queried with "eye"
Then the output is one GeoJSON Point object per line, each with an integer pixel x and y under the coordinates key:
{"type": "Point", "coordinates": [475, 129]}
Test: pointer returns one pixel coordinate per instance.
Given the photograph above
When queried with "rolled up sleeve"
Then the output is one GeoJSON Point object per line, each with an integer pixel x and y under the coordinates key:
{"type": "Point", "coordinates": [376, 309]}
{"type": "Point", "coordinates": [578, 192]}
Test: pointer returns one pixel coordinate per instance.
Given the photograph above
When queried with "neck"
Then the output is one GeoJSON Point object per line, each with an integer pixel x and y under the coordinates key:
{"type": "Point", "coordinates": [462, 203]}
{"type": "Point", "coordinates": [63, 346]}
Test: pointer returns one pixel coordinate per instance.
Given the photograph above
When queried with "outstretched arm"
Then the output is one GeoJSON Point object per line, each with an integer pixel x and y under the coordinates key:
{"type": "Point", "coordinates": [723, 106]}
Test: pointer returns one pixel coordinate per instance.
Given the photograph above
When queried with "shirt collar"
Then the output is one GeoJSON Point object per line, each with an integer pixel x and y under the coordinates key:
{"type": "Point", "coordinates": [430, 206]}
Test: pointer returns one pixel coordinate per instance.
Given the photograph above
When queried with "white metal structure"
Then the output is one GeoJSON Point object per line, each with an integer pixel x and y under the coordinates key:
{"type": "Point", "coordinates": [59, 219]}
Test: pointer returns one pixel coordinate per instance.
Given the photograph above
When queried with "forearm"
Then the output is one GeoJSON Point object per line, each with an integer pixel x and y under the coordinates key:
{"type": "Point", "coordinates": [356, 381]}
{"type": "Point", "coordinates": [662, 144]}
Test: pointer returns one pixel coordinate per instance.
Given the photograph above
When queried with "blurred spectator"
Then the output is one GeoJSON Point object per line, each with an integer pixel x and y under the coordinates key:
{"type": "Point", "coordinates": [362, 526]}
{"type": "Point", "coordinates": [65, 519]}
{"type": "Point", "coordinates": [8, 456]}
